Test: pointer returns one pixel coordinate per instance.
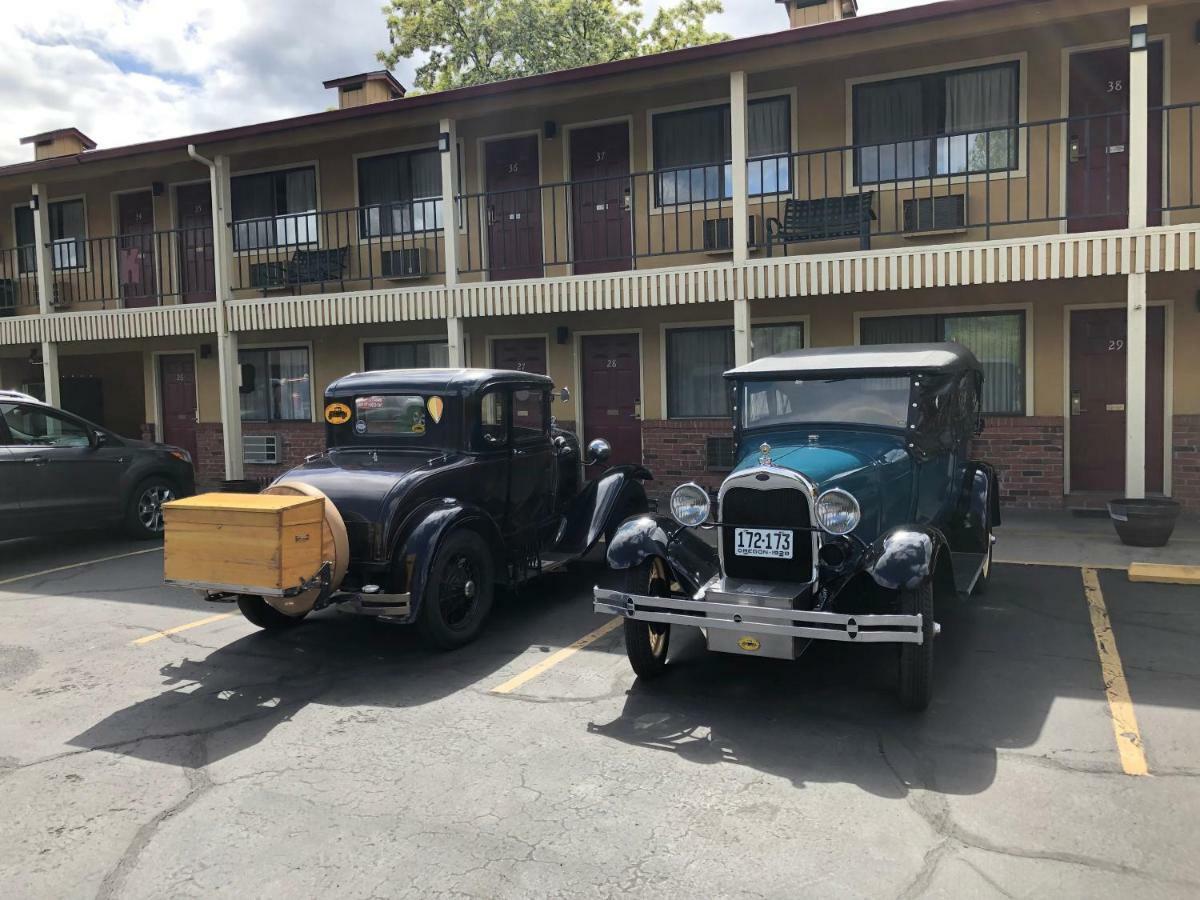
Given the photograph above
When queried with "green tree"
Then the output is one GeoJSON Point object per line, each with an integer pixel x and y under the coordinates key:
{"type": "Point", "coordinates": [477, 41]}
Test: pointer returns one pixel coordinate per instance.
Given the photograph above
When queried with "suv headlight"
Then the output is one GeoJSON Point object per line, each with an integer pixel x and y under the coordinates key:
{"type": "Point", "coordinates": [838, 512]}
{"type": "Point", "coordinates": [689, 504]}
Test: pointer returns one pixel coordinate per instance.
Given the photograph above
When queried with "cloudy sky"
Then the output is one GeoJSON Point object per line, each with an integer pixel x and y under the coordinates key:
{"type": "Point", "coordinates": [125, 71]}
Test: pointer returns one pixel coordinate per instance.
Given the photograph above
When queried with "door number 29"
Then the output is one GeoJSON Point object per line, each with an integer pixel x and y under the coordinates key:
{"type": "Point", "coordinates": [1117, 344]}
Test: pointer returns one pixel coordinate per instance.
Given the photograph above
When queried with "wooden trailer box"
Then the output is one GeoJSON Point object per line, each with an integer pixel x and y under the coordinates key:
{"type": "Point", "coordinates": [260, 544]}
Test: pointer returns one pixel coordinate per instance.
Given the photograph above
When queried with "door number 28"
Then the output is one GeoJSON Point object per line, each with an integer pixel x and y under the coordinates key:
{"type": "Point", "coordinates": [610, 364]}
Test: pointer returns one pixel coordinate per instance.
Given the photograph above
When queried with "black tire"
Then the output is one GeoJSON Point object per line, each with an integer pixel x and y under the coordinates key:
{"type": "Point", "coordinates": [916, 660]}
{"type": "Point", "coordinates": [458, 595]}
{"type": "Point", "coordinates": [646, 643]}
{"type": "Point", "coordinates": [143, 511]}
{"type": "Point", "coordinates": [261, 613]}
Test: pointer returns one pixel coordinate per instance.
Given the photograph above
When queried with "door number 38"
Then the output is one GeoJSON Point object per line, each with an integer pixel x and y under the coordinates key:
{"type": "Point", "coordinates": [1115, 87]}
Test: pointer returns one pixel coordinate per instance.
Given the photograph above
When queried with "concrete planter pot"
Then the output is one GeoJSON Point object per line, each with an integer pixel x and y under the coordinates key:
{"type": "Point", "coordinates": [1144, 522]}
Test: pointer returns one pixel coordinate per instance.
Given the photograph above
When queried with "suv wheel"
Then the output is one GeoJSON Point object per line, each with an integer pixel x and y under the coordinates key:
{"type": "Point", "coordinates": [458, 594]}
{"type": "Point", "coordinates": [144, 515]}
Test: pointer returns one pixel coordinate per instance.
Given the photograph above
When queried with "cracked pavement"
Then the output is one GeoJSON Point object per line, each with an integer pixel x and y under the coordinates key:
{"type": "Point", "coordinates": [345, 758]}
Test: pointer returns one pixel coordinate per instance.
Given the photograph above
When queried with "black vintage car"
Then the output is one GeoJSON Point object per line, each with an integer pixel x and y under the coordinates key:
{"type": "Point", "coordinates": [449, 483]}
{"type": "Point", "coordinates": [853, 508]}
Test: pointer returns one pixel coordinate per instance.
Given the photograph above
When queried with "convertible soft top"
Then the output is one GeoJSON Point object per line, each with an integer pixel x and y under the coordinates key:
{"type": "Point", "coordinates": [946, 357]}
{"type": "Point", "coordinates": [430, 381]}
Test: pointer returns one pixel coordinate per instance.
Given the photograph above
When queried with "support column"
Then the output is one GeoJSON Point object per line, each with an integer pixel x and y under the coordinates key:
{"type": "Point", "coordinates": [456, 341]}
{"type": "Point", "coordinates": [40, 201]}
{"type": "Point", "coordinates": [50, 382]}
{"type": "Point", "coordinates": [742, 349]}
{"type": "Point", "coordinates": [739, 141]}
{"type": "Point", "coordinates": [450, 190]}
{"type": "Point", "coordinates": [229, 370]}
{"type": "Point", "coordinates": [1135, 311]}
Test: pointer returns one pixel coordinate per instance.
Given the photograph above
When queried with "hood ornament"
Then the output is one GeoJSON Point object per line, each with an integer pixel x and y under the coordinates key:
{"type": "Point", "coordinates": [764, 455]}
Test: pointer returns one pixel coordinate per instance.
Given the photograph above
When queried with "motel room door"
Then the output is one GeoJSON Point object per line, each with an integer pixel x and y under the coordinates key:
{"type": "Point", "coordinates": [194, 213]}
{"type": "Point", "coordinates": [514, 208]}
{"type": "Point", "coordinates": [601, 199]}
{"type": "Point", "coordinates": [135, 248]}
{"type": "Point", "coordinates": [1097, 399]}
{"type": "Point", "coordinates": [177, 393]}
{"type": "Point", "coordinates": [1098, 138]}
{"type": "Point", "coordinates": [611, 401]}
{"type": "Point", "coordinates": [522, 354]}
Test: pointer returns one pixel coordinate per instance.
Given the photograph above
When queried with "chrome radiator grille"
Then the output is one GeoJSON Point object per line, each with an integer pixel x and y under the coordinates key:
{"type": "Point", "coordinates": [783, 507]}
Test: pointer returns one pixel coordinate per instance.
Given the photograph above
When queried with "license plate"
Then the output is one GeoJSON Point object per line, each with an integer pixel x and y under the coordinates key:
{"type": "Point", "coordinates": [772, 543]}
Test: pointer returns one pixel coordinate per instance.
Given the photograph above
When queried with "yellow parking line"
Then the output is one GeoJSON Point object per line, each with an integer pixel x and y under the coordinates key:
{"type": "Point", "coordinates": [1120, 704]}
{"type": "Point", "coordinates": [80, 565]}
{"type": "Point", "coordinates": [555, 658]}
{"type": "Point", "coordinates": [178, 628]}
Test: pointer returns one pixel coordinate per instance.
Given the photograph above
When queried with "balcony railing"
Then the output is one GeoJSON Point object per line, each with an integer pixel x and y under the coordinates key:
{"type": "Point", "coordinates": [365, 246]}
{"type": "Point", "coordinates": [1179, 126]}
{"type": "Point", "coordinates": [18, 280]}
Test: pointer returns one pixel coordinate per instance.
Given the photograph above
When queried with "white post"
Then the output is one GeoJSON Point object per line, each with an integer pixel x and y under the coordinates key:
{"type": "Point", "coordinates": [742, 349]}
{"type": "Point", "coordinates": [50, 381]}
{"type": "Point", "coordinates": [456, 341]}
{"type": "Point", "coordinates": [449, 131]}
{"type": "Point", "coordinates": [737, 125]}
{"type": "Point", "coordinates": [1135, 312]}
{"type": "Point", "coordinates": [41, 249]}
{"type": "Point", "coordinates": [229, 370]}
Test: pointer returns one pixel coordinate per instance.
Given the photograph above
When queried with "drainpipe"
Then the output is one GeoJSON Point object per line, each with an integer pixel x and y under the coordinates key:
{"type": "Point", "coordinates": [229, 371]}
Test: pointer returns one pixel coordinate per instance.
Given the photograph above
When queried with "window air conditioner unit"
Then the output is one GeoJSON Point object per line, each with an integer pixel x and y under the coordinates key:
{"type": "Point", "coordinates": [410, 262]}
{"type": "Point", "coordinates": [718, 233]}
{"type": "Point", "coordinates": [260, 449]}
{"type": "Point", "coordinates": [935, 214]}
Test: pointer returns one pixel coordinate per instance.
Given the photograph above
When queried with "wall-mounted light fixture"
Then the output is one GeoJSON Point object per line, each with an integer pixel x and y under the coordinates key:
{"type": "Point", "coordinates": [35, 202]}
{"type": "Point", "coordinates": [550, 129]}
{"type": "Point", "coordinates": [1139, 37]}
{"type": "Point", "coordinates": [444, 142]}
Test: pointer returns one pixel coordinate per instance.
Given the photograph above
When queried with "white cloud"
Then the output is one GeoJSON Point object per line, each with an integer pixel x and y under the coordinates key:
{"type": "Point", "coordinates": [125, 71]}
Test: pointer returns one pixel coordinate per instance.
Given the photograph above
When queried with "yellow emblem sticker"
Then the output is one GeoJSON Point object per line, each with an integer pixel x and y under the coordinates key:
{"type": "Point", "coordinates": [435, 407]}
{"type": "Point", "coordinates": [337, 414]}
{"type": "Point", "coordinates": [749, 643]}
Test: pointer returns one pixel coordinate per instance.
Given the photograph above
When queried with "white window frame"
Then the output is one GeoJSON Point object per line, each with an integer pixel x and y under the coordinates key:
{"type": "Point", "coordinates": [312, 380]}
{"type": "Point", "coordinates": [276, 248]}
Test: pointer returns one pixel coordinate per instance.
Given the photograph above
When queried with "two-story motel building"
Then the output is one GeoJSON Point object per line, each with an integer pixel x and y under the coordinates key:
{"type": "Point", "coordinates": [1017, 175]}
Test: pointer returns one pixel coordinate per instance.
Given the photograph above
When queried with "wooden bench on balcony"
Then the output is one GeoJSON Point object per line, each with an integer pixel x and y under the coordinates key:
{"type": "Point", "coordinates": [305, 267]}
{"type": "Point", "coordinates": [823, 220]}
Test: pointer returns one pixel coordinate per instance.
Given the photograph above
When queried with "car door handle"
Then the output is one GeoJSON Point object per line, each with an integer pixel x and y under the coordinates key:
{"type": "Point", "coordinates": [36, 460]}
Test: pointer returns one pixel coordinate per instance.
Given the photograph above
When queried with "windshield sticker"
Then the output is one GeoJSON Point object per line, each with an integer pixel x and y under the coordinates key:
{"type": "Point", "coordinates": [337, 414]}
{"type": "Point", "coordinates": [435, 407]}
{"type": "Point", "coordinates": [360, 426]}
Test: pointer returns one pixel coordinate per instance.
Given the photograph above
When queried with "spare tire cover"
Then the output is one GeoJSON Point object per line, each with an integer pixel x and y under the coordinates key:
{"type": "Point", "coordinates": [335, 547]}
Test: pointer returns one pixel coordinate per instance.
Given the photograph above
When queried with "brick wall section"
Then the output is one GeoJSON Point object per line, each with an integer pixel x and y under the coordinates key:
{"type": "Point", "coordinates": [1185, 459]}
{"type": "Point", "coordinates": [673, 451]}
{"type": "Point", "coordinates": [1027, 452]}
{"type": "Point", "coordinates": [297, 440]}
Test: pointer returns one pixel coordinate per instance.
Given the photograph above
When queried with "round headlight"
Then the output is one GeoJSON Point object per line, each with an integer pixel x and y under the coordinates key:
{"type": "Point", "coordinates": [838, 512]}
{"type": "Point", "coordinates": [689, 504]}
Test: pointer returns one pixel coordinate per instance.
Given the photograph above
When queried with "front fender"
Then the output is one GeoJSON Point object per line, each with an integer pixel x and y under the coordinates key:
{"type": "Point", "coordinates": [616, 494]}
{"type": "Point", "coordinates": [692, 560]}
{"type": "Point", "coordinates": [906, 557]}
{"type": "Point", "coordinates": [978, 510]}
{"type": "Point", "coordinates": [417, 540]}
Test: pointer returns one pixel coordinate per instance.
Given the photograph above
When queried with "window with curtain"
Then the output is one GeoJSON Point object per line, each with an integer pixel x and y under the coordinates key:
{"type": "Point", "coordinates": [401, 192]}
{"type": "Point", "coordinates": [274, 209]}
{"type": "Point", "coordinates": [996, 339]}
{"type": "Point", "coordinates": [281, 385]}
{"type": "Point", "coordinates": [692, 148]}
{"type": "Point", "coordinates": [68, 232]}
{"type": "Point", "coordinates": [698, 358]}
{"type": "Point", "coordinates": [943, 123]}
{"type": "Point", "coordinates": [407, 355]}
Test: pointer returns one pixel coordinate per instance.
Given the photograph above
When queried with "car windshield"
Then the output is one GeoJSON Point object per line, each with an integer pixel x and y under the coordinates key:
{"type": "Point", "coordinates": [857, 400]}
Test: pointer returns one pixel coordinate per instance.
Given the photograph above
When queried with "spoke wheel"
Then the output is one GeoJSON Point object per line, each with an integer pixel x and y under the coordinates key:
{"type": "Point", "coordinates": [458, 592]}
{"type": "Point", "coordinates": [647, 643]}
{"type": "Point", "coordinates": [457, 596]}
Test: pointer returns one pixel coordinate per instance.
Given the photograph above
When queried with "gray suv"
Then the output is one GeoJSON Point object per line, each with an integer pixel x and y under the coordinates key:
{"type": "Point", "coordinates": [59, 472]}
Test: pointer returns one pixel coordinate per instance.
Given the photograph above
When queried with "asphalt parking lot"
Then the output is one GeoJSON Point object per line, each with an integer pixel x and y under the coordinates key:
{"type": "Point", "coordinates": [154, 745]}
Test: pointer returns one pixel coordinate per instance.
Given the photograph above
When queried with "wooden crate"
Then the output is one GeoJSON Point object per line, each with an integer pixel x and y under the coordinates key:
{"type": "Point", "coordinates": [258, 544]}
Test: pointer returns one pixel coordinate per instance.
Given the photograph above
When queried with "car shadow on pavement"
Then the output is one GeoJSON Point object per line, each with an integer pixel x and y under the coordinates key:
{"type": "Point", "coordinates": [1002, 661]}
{"type": "Point", "coordinates": [233, 697]}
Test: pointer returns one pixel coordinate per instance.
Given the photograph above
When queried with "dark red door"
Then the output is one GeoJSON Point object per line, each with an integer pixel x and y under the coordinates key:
{"type": "Point", "coordinates": [177, 389]}
{"type": "Point", "coordinates": [135, 249]}
{"type": "Point", "coordinates": [514, 208]}
{"type": "Point", "coordinates": [600, 199]}
{"type": "Point", "coordinates": [1098, 359]}
{"type": "Point", "coordinates": [520, 354]}
{"type": "Point", "coordinates": [1098, 135]}
{"type": "Point", "coordinates": [611, 394]}
{"type": "Point", "coordinates": [194, 212]}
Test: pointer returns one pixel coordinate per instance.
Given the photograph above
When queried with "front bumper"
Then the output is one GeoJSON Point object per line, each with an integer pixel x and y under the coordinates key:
{"type": "Point", "coordinates": [744, 613]}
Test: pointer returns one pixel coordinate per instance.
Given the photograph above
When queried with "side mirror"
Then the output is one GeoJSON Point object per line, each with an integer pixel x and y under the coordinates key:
{"type": "Point", "coordinates": [564, 395]}
{"type": "Point", "coordinates": [99, 439]}
{"type": "Point", "coordinates": [248, 379]}
{"type": "Point", "coordinates": [598, 451]}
